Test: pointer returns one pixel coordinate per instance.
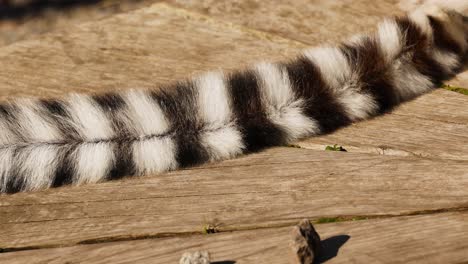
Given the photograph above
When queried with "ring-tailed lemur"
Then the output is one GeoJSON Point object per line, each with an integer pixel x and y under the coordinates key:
{"type": "Point", "coordinates": [91, 138]}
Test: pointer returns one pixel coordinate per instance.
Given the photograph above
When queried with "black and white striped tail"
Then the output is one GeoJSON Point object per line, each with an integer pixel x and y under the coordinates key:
{"type": "Point", "coordinates": [91, 138]}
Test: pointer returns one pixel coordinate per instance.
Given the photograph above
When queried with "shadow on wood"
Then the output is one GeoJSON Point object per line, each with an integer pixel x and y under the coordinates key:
{"type": "Point", "coordinates": [12, 10]}
{"type": "Point", "coordinates": [331, 246]}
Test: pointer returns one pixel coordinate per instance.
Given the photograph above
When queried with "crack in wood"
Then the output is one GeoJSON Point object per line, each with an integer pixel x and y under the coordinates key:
{"type": "Point", "coordinates": [290, 223]}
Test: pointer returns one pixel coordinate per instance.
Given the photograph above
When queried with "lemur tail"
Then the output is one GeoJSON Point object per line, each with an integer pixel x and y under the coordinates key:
{"type": "Point", "coordinates": [91, 138]}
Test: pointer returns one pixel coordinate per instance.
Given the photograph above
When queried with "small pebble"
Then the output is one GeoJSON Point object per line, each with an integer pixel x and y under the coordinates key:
{"type": "Point", "coordinates": [306, 245]}
{"type": "Point", "coordinates": [198, 257]}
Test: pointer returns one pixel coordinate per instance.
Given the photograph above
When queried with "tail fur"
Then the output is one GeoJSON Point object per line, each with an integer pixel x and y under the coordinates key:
{"type": "Point", "coordinates": [91, 138]}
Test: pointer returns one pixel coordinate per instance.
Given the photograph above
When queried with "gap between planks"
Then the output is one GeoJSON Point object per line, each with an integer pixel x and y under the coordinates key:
{"type": "Point", "coordinates": [315, 221]}
{"type": "Point", "coordinates": [433, 238]}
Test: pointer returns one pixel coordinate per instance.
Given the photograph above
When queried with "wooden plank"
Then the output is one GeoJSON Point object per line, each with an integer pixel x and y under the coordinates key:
{"type": "Point", "coordinates": [271, 188]}
{"type": "Point", "coordinates": [145, 48]}
{"type": "Point", "coordinates": [159, 44]}
{"type": "Point", "coordinates": [34, 20]}
{"type": "Point", "coordinates": [438, 238]}
{"type": "Point", "coordinates": [314, 22]}
{"type": "Point", "coordinates": [432, 126]}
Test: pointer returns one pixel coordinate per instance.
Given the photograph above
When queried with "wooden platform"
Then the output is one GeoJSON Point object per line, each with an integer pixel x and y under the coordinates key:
{"type": "Point", "coordinates": [399, 195]}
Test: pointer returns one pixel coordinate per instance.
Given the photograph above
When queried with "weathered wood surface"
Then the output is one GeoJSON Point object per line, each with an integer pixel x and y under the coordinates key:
{"type": "Point", "coordinates": [29, 19]}
{"type": "Point", "coordinates": [439, 238]}
{"type": "Point", "coordinates": [272, 188]}
{"type": "Point", "coordinates": [312, 22]}
{"type": "Point", "coordinates": [146, 48]}
{"type": "Point", "coordinates": [432, 126]}
{"type": "Point", "coordinates": [309, 21]}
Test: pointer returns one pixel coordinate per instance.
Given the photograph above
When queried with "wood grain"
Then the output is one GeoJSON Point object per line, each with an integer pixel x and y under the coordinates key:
{"type": "Point", "coordinates": [312, 22]}
{"type": "Point", "coordinates": [426, 171]}
{"type": "Point", "coordinates": [439, 238]}
{"type": "Point", "coordinates": [272, 188]}
{"type": "Point", "coordinates": [432, 126]}
{"type": "Point", "coordinates": [146, 48]}
{"type": "Point", "coordinates": [309, 21]}
{"type": "Point", "coordinates": [36, 19]}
